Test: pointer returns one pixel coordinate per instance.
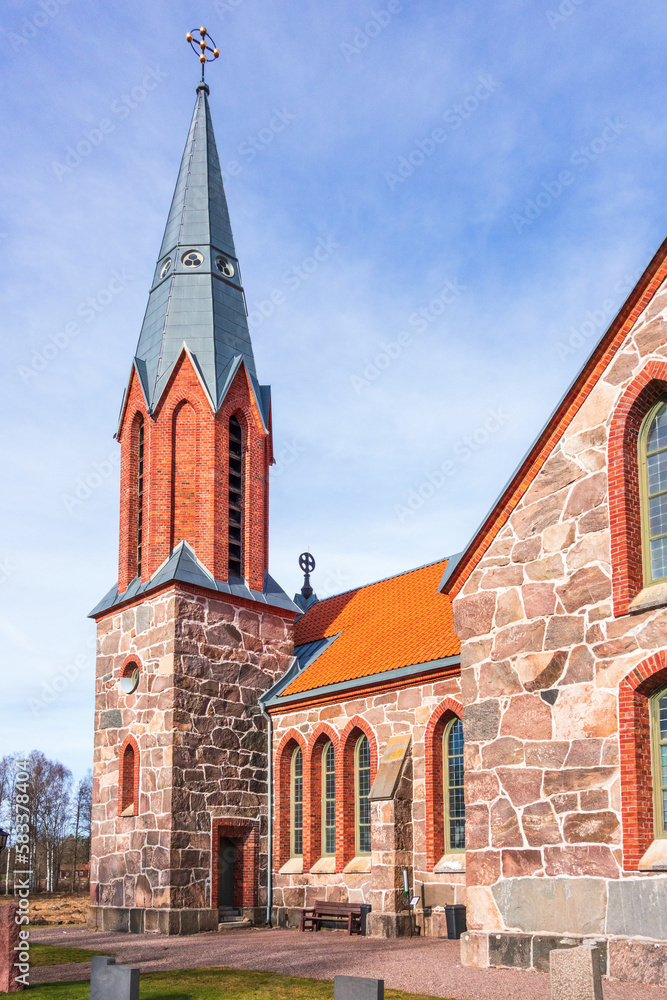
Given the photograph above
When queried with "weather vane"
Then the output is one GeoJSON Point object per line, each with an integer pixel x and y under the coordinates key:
{"type": "Point", "coordinates": [200, 43]}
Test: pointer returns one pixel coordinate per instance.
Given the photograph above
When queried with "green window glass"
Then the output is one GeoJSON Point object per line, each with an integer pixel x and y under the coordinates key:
{"type": "Point", "coordinates": [296, 846]}
{"type": "Point", "coordinates": [659, 748]}
{"type": "Point", "coordinates": [362, 789]}
{"type": "Point", "coordinates": [454, 802]}
{"type": "Point", "coordinates": [653, 490]}
{"type": "Point", "coordinates": [328, 799]}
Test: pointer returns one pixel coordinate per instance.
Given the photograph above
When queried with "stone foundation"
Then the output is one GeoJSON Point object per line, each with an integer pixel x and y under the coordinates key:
{"type": "Point", "coordinates": [629, 960]}
{"type": "Point", "coordinates": [149, 920]}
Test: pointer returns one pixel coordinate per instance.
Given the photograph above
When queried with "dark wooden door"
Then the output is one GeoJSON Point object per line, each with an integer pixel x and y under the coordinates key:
{"type": "Point", "coordinates": [226, 872]}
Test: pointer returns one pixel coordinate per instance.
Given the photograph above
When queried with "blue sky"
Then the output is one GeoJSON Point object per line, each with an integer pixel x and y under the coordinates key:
{"type": "Point", "coordinates": [489, 181]}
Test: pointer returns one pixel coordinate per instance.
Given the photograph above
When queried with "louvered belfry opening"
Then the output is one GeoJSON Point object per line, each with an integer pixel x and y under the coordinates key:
{"type": "Point", "coordinates": [235, 498]}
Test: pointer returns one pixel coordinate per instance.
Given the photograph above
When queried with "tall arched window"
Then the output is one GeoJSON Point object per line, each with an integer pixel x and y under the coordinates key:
{"type": "Point", "coordinates": [328, 800]}
{"type": "Point", "coordinates": [452, 784]}
{"type": "Point", "coordinates": [659, 760]}
{"type": "Point", "coordinates": [128, 790]}
{"type": "Point", "coordinates": [296, 805]}
{"type": "Point", "coordinates": [653, 492]}
{"type": "Point", "coordinates": [140, 493]}
{"type": "Point", "coordinates": [362, 788]}
{"type": "Point", "coordinates": [235, 530]}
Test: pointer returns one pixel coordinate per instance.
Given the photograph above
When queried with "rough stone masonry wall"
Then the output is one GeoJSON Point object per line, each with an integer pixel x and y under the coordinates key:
{"type": "Point", "coordinates": [542, 660]}
{"type": "Point", "coordinates": [202, 745]}
{"type": "Point", "coordinates": [385, 714]}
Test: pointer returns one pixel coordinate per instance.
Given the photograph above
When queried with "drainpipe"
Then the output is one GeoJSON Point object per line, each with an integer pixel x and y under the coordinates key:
{"type": "Point", "coordinates": [269, 874]}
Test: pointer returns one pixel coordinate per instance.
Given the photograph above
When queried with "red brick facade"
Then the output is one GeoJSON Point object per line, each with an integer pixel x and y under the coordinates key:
{"type": "Point", "coordinates": [635, 741]}
{"type": "Point", "coordinates": [435, 808]}
{"type": "Point", "coordinates": [624, 508]}
{"type": "Point", "coordinates": [185, 477]}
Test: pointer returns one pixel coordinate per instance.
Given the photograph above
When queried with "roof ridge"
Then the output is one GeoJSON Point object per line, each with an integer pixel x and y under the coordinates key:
{"type": "Point", "coordinates": [373, 583]}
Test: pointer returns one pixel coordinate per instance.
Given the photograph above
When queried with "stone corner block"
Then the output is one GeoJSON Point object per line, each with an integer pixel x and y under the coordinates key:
{"type": "Point", "coordinates": [575, 974]}
{"type": "Point", "coordinates": [358, 988]}
{"type": "Point", "coordinates": [109, 981]}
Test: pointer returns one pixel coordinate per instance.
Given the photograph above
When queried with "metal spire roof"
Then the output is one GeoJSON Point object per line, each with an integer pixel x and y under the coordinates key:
{"type": "Point", "coordinates": [197, 300]}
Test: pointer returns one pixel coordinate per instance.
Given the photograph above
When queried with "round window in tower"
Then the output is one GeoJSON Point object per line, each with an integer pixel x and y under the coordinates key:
{"type": "Point", "coordinates": [192, 259]}
{"type": "Point", "coordinates": [224, 266]}
{"type": "Point", "coordinates": [166, 267]}
{"type": "Point", "coordinates": [129, 679]}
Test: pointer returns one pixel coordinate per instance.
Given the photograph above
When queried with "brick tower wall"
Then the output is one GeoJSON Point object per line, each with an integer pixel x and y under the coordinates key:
{"type": "Point", "coordinates": [201, 743]}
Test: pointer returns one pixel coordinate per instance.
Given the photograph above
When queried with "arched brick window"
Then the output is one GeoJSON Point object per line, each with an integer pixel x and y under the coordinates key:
{"type": "Point", "coordinates": [641, 786]}
{"type": "Point", "coordinates": [284, 788]}
{"type": "Point", "coordinates": [236, 498]}
{"type": "Point", "coordinates": [184, 475]}
{"type": "Point", "coordinates": [320, 796]}
{"type": "Point", "coordinates": [441, 745]}
{"type": "Point", "coordinates": [359, 764]}
{"type": "Point", "coordinates": [128, 778]}
{"type": "Point", "coordinates": [625, 518]}
{"type": "Point", "coordinates": [130, 675]}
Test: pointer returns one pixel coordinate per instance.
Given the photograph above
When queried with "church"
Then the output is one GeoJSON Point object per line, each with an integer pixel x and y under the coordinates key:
{"type": "Point", "coordinates": [488, 730]}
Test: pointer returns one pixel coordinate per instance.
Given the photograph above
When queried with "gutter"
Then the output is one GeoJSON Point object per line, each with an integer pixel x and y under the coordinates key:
{"type": "Point", "coordinates": [269, 865]}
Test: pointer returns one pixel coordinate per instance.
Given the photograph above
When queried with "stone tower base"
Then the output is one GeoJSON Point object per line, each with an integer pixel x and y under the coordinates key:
{"type": "Point", "coordinates": [150, 920]}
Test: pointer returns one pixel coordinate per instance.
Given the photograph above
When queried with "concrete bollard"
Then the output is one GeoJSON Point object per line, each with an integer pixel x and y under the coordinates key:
{"type": "Point", "coordinates": [575, 974]}
{"type": "Point", "coordinates": [109, 981]}
{"type": "Point", "coordinates": [358, 988]}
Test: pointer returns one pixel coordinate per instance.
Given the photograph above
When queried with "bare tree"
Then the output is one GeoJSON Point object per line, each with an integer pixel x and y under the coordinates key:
{"type": "Point", "coordinates": [83, 807]}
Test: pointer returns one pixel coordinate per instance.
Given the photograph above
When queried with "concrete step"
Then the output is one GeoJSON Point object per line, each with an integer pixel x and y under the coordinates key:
{"type": "Point", "coordinates": [234, 925]}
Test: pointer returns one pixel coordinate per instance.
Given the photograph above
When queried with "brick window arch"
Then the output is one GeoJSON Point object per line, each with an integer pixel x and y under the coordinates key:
{"type": "Point", "coordinates": [128, 778]}
{"type": "Point", "coordinates": [445, 713]}
{"type": "Point", "coordinates": [184, 475]}
{"type": "Point", "coordinates": [290, 742]}
{"type": "Point", "coordinates": [321, 795]}
{"type": "Point", "coordinates": [348, 780]}
{"type": "Point", "coordinates": [130, 674]}
{"type": "Point", "coordinates": [624, 493]}
{"type": "Point", "coordinates": [637, 788]}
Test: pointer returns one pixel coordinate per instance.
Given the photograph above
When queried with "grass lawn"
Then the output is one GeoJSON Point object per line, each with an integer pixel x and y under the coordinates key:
{"type": "Point", "coordinates": [56, 954]}
{"type": "Point", "coordinates": [212, 984]}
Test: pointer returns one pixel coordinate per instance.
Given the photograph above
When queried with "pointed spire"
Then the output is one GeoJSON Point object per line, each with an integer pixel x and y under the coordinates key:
{"type": "Point", "coordinates": [197, 299]}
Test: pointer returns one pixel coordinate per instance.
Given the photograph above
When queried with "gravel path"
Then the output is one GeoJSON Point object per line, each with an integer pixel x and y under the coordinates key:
{"type": "Point", "coordinates": [420, 965]}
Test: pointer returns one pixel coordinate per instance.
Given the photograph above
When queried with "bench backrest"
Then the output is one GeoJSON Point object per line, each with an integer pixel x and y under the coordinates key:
{"type": "Point", "coordinates": [321, 907]}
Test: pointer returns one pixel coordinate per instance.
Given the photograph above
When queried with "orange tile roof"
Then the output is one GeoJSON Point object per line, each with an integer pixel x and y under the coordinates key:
{"type": "Point", "coordinates": [394, 623]}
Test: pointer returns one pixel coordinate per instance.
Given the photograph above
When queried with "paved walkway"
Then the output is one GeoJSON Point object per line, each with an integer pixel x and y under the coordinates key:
{"type": "Point", "coordinates": [420, 965]}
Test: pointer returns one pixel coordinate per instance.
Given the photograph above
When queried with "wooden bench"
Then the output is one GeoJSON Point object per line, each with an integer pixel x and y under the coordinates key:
{"type": "Point", "coordinates": [348, 914]}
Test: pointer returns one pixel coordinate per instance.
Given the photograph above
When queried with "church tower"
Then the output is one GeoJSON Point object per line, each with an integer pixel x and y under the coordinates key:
{"type": "Point", "coordinates": [195, 629]}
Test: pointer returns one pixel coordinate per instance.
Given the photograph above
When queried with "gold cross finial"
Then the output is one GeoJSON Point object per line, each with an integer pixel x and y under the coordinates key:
{"type": "Point", "coordinates": [197, 39]}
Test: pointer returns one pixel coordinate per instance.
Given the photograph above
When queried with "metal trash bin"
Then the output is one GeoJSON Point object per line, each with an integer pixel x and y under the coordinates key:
{"type": "Point", "coordinates": [455, 914]}
{"type": "Point", "coordinates": [365, 910]}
